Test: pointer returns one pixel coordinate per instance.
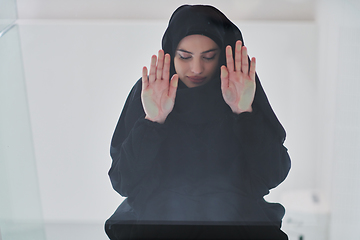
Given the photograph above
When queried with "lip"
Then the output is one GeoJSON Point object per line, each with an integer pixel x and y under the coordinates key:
{"type": "Point", "coordinates": [196, 79]}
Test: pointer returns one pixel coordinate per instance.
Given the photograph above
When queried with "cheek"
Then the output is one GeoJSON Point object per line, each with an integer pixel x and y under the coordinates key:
{"type": "Point", "coordinates": [176, 65]}
{"type": "Point", "coordinates": [213, 67]}
{"type": "Point", "coordinates": [180, 67]}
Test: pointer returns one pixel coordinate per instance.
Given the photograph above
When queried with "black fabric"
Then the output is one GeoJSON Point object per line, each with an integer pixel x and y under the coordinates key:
{"type": "Point", "coordinates": [205, 166]}
{"type": "Point", "coordinates": [223, 231]}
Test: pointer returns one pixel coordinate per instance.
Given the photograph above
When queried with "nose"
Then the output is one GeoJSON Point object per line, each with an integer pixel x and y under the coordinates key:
{"type": "Point", "coordinates": [197, 66]}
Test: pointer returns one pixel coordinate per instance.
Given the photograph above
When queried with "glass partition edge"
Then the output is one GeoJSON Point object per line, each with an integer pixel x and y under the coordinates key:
{"type": "Point", "coordinates": [20, 204]}
{"type": "Point", "coordinates": [6, 29]}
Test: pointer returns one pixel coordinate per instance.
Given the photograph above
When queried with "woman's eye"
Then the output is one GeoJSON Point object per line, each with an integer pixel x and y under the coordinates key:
{"type": "Point", "coordinates": [184, 57]}
{"type": "Point", "coordinates": [209, 58]}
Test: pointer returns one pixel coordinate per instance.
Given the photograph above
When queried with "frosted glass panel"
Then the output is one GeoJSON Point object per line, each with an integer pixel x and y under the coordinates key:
{"type": "Point", "coordinates": [20, 209]}
{"type": "Point", "coordinates": [8, 13]}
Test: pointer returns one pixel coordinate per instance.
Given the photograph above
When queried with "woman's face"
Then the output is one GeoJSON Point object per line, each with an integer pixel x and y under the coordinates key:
{"type": "Point", "coordinates": [196, 60]}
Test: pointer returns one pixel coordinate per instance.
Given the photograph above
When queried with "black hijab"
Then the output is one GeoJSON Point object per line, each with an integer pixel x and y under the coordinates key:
{"type": "Point", "coordinates": [205, 103]}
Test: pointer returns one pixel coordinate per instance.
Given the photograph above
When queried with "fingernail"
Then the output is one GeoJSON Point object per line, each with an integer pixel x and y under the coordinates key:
{"type": "Point", "coordinates": [223, 72]}
{"type": "Point", "coordinates": [228, 50]}
{"type": "Point", "coordinates": [238, 46]}
{"type": "Point", "coordinates": [153, 59]}
{"type": "Point", "coordinates": [175, 83]}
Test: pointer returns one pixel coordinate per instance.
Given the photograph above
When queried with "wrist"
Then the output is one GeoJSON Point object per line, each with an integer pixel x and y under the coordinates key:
{"type": "Point", "coordinates": [161, 121]}
{"type": "Point", "coordinates": [239, 111]}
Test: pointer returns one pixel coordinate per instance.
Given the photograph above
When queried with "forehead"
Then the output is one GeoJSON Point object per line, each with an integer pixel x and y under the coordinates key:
{"type": "Point", "coordinates": [197, 43]}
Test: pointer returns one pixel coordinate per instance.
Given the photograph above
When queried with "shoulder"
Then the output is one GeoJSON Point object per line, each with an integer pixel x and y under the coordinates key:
{"type": "Point", "coordinates": [135, 93]}
{"type": "Point", "coordinates": [134, 109]}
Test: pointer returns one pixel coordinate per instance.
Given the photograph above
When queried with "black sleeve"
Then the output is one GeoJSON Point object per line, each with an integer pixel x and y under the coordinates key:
{"type": "Point", "coordinates": [134, 147]}
{"type": "Point", "coordinates": [267, 159]}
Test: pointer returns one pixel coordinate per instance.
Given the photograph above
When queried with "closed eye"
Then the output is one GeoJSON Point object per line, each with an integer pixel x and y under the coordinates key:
{"type": "Point", "coordinates": [209, 58]}
{"type": "Point", "coordinates": [183, 57]}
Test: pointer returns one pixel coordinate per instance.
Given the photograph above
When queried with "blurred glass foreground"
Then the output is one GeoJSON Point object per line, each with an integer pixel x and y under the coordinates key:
{"type": "Point", "coordinates": [20, 208]}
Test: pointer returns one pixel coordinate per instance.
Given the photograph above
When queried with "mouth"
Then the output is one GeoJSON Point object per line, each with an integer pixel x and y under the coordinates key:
{"type": "Point", "coordinates": [196, 79]}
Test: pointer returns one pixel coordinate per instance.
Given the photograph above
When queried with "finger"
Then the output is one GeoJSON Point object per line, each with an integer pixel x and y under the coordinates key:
{"type": "Point", "coordinates": [244, 60]}
{"type": "Point", "coordinates": [166, 70]}
{"type": "Point", "coordinates": [173, 86]}
{"type": "Point", "coordinates": [152, 69]}
{"type": "Point", "coordinates": [229, 59]}
{"type": "Point", "coordinates": [224, 78]}
{"type": "Point", "coordinates": [238, 56]}
{"type": "Point", "coordinates": [160, 65]}
{"type": "Point", "coordinates": [144, 79]}
{"type": "Point", "coordinates": [252, 69]}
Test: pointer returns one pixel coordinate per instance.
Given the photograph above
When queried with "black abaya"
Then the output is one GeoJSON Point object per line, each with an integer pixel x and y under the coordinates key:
{"type": "Point", "coordinates": [205, 166]}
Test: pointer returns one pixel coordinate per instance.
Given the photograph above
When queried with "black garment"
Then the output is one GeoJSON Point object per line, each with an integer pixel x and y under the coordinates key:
{"type": "Point", "coordinates": [205, 169]}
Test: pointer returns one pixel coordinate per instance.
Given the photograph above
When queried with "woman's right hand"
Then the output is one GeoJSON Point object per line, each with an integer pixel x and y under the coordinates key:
{"type": "Point", "coordinates": [158, 94]}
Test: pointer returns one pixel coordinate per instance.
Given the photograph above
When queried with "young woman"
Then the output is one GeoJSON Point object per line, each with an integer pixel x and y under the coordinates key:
{"type": "Point", "coordinates": [197, 143]}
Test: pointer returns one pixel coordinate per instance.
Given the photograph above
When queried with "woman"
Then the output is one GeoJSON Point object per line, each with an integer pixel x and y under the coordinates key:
{"type": "Point", "coordinates": [201, 148]}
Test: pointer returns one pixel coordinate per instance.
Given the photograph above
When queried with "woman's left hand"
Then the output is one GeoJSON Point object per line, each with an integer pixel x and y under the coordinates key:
{"type": "Point", "coordinates": [237, 81]}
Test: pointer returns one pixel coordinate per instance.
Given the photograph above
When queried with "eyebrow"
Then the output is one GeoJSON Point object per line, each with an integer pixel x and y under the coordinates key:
{"type": "Point", "coordinates": [211, 50]}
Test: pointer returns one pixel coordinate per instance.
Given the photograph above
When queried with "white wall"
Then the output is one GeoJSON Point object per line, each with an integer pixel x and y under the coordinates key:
{"type": "Point", "coordinates": [78, 74]}
{"type": "Point", "coordinates": [294, 10]}
{"type": "Point", "coordinates": [339, 86]}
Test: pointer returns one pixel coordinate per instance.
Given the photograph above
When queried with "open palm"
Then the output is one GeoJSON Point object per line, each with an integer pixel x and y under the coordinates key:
{"type": "Point", "coordinates": [237, 80]}
{"type": "Point", "coordinates": [158, 94]}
